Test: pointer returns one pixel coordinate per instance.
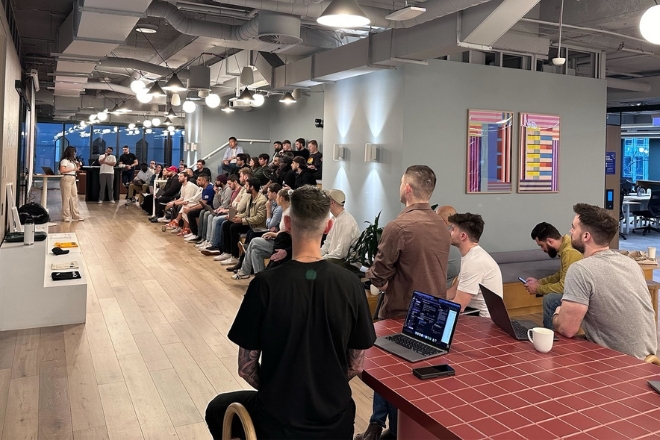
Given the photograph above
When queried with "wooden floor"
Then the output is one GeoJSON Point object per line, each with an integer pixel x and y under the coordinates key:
{"type": "Point", "coordinates": [152, 353]}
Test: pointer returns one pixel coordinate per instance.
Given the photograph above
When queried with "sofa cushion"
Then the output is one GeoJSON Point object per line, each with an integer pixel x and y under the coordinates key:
{"type": "Point", "coordinates": [519, 256]}
{"type": "Point", "coordinates": [526, 269]}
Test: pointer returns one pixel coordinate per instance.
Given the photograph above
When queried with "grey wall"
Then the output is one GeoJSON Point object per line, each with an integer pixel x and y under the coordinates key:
{"type": "Point", "coordinates": [654, 159]}
{"type": "Point", "coordinates": [418, 114]}
{"type": "Point", "coordinates": [297, 120]}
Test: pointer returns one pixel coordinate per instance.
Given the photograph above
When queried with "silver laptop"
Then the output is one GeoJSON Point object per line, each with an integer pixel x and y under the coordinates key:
{"type": "Point", "coordinates": [428, 330]}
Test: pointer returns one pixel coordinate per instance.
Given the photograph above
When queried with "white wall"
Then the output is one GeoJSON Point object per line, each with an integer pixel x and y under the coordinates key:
{"type": "Point", "coordinates": [295, 121]}
{"type": "Point", "coordinates": [418, 115]}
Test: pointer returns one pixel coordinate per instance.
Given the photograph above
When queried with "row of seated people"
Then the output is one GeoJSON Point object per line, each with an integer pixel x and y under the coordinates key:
{"type": "Point", "coordinates": [214, 217]}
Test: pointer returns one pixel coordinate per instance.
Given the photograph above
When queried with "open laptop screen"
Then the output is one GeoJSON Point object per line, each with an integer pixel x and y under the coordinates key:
{"type": "Point", "coordinates": [432, 320]}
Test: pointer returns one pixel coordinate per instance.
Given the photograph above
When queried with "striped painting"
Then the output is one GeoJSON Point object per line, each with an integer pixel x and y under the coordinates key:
{"type": "Point", "coordinates": [489, 151]}
{"type": "Point", "coordinates": [539, 153]}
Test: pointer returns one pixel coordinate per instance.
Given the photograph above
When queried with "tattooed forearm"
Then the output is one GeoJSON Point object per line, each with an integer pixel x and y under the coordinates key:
{"type": "Point", "coordinates": [248, 366]}
{"type": "Point", "coordinates": [355, 361]}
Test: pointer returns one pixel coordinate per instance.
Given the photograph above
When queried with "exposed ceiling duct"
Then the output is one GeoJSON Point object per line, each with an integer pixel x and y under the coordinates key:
{"type": "Point", "coordinates": [133, 64]}
{"type": "Point", "coordinates": [632, 86]}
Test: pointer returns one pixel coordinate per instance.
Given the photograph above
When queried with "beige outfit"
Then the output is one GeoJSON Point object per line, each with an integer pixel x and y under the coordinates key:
{"type": "Point", "coordinates": [69, 191]}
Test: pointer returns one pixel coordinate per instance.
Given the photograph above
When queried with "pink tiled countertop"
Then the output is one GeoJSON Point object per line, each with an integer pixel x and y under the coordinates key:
{"type": "Point", "coordinates": [503, 388]}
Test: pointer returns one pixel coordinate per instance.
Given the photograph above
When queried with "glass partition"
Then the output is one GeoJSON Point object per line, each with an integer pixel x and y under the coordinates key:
{"type": "Point", "coordinates": [79, 137]}
{"type": "Point", "coordinates": [154, 143]}
{"type": "Point", "coordinates": [49, 145]}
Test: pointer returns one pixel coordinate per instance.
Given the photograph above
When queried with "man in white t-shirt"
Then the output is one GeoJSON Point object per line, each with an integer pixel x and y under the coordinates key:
{"type": "Point", "coordinates": [107, 175]}
{"type": "Point", "coordinates": [477, 266]}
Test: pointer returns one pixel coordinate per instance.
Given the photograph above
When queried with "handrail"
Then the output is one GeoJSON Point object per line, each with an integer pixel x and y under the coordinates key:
{"type": "Point", "coordinates": [223, 146]}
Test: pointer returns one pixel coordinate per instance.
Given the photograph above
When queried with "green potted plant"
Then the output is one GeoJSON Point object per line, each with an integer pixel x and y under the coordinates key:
{"type": "Point", "coordinates": [365, 247]}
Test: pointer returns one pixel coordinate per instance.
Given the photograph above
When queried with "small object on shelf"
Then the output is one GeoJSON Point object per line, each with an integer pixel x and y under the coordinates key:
{"type": "Point", "coordinates": [64, 276]}
{"type": "Point", "coordinates": [66, 244]}
{"type": "Point", "coordinates": [64, 266]}
{"type": "Point", "coordinates": [59, 251]}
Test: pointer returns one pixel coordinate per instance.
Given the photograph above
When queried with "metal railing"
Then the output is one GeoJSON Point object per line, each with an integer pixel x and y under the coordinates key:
{"type": "Point", "coordinates": [223, 146]}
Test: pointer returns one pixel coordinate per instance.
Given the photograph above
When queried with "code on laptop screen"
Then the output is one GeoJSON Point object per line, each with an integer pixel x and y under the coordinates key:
{"type": "Point", "coordinates": [431, 319]}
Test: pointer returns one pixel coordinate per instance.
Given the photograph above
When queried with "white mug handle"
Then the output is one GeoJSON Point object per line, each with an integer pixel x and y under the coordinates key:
{"type": "Point", "coordinates": [529, 335]}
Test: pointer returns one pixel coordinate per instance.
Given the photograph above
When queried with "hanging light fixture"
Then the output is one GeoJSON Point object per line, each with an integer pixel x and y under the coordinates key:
{"type": "Point", "coordinates": [144, 98]}
{"type": "Point", "coordinates": [103, 116]}
{"type": "Point", "coordinates": [137, 85]}
{"type": "Point", "coordinates": [171, 129]}
{"type": "Point", "coordinates": [147, 123]}
{"type": "Point", "coordinates": [155, 122]}
{"type": "Point", "coordinates": [176, 99]}
{"type": "Point", "coordinates": [246, 96]}
{"type": "Point", "coordinates": [170, 113]}
{"type": "Point", "coordinates": [123, 108]}
{"type": "Point", "coordinates": [131, 126]}
{"type": "Point", "coordinates": [148, 131]}
{"type": "Point", "coordinates": [83, 124]}
{"type": "Point", "coordinates": [92, 118]}
{"type": "Point", "coordinates": [115, 110]}
{"type": "Point", "coordinates": [174, 84]}
{"type": "Point", "coordinates": [228, 108]}
{"type": "Point", "coordinates": [167, 121]}
{"type": "Point", "coordinates": [189, 106]}
{"type": "Point", "coordinates": [649, 25]}
{"type": "Point", "coordinates": [559, 60]}
{"type": "Point", "coordinates": [213, 100]}
{"type": "Point", "coordinates": [156, 90]}
{"type": "Point", "coordinates": [247, 76]}
{"type": "Point", "coordinates": [344, 14]}
{"type": "Point", "coordinates": [258, 100]}
{"type": "Point", "coordinates": [288, 98]}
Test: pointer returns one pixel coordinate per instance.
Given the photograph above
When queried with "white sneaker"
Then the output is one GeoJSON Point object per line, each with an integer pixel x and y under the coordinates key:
{"type": "Point", "coordinates": [222, 257]}
{"type": "Point", "coordinates": [188, 235]}
{"type": "Point", "coordinates": [192, 239]}
{"type": "Point", "coordinates": [137, 203]}
{"type": "Point", "coordinates": [163, 220]}
{"type": "Point", "coordinates": [100, 201]}
{"type": "Point", "coordinates": [202, 245]}
{"type": "Point", "coordinates": [112, 201]}
{"type": "Point", "coordinates": [229, 261]}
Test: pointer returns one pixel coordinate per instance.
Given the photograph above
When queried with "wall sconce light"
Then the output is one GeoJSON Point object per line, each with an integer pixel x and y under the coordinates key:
{"type": "Point", "coordinates": [370, 153]}
{"type": "Point", "coordinates": [337, 152]}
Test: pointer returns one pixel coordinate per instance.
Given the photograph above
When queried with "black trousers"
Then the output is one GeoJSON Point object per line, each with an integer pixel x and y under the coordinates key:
{"type": "Point", "coordinates": [215, 412]}
{"type": "Point", "coordinates": [231, 236]}
{"type": "Point", "coordinates": [148, 204]}
{"type": "Point", "coordinates": [193, 216]}
{"type": "Point", "coordinates": [160, 209]}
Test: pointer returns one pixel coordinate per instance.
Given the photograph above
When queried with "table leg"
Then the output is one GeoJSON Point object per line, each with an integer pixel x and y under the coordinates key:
{"type": "Point", "coordinates": [627, 219]}
{"type": "Point", "coordinates": [44, 192]}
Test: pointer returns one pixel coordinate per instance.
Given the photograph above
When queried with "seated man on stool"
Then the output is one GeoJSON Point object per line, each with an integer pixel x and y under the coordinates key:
{"type": "Point", "coordinates": [310, 337]}
{"type": "Point", "coordinates": [342, 235]}
{"type": "Point", "coordinates": [552, 287]}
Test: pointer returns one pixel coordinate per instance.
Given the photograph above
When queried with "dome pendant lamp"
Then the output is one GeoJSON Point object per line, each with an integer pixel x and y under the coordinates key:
{"type": "Point", "coordinates": [649, 25]}
{"type": "Point", "coordinates": [343, 14]}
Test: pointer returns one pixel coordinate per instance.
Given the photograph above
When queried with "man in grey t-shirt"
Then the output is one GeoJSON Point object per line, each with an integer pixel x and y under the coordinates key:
{"type": "Point", "coordinates": [605, 292]}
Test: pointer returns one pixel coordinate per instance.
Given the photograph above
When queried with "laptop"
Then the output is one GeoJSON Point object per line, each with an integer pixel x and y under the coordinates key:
{"type": "Point", "coordinates": [48, 171]}
{"type": "Point", "coordinates": [517, 329]}
{"type": "Point", "coordinates": [428, 330]}
{"type": "Point", "coordinates": [231, 214]}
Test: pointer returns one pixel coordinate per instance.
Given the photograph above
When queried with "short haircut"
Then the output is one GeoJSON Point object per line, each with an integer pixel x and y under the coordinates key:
{"type": "Point", "coordinates": [313, 142]}
{"type": "Point", "coordinates": [286, 141]}
{"type": "Point", "coordinates": [125, 146]}
{"type": "Point", "coordinates": [421, 179]}
{"type": "Point", "coordinates": [471, 224]}
{"type": "Point", "coordinates": [189, 172]}
{"type": "Point", "coordinates": [202, 161]}
{"type": "Point", "coordinates": [284, 193]}
{"type": "Point", "coordinates": [232, 178]}
{"type": "Point", "coordinates": [309, 211]}
{"type": "Point", "coordinates": [274, 187]}
{"type": "Point", "coordinates": [301, 141]}
{"type": "Point", "coordinates": [287, 159]}
{"type": "Point", "coordinates": [598, 222]}
{"type": "Point", "coordinates": [543, 231]}
{"type": "Point", "coordinates": [205, 177]}
{"type": "Point", "coordinates": [300, 161]}
{"type": "Point", "coordinates": [264, 156]}
{"type": "Point", "coordinates": [247, 171]}
{"type": "Point", "coordinates": [243, 157]}
{"type": "Point", "coordinates": [278, 143]}
{"type": "Point", "coordinates": [184, 174]}
{"type": "Point", "coordinates": [109, 148]}
{"type": "Point", "coordinates": [254, 183]}
{"type": "Point", "coordinates": [232, 138]}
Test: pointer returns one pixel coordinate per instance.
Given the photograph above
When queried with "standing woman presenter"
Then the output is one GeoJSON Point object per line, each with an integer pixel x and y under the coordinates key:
{"type": "Point", "coordinates": [68, 168]}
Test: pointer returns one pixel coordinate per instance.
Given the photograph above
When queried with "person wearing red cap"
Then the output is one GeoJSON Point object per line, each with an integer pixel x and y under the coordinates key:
{"type": "Point", "coordinates": [169, 192]}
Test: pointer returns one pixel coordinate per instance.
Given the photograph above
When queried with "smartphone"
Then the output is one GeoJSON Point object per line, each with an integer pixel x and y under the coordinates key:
{"type": "Point", "coordinates": [522, 280]}
{"type": "Point", "coordinates": [434, 371]}
{"type": "Point", "coordinates": [63, 276]}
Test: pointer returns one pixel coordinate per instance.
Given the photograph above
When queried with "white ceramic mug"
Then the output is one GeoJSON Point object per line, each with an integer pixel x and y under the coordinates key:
{"type": "Point", "coordinates": [651, 252]}
{"type": "Point", "coordinates": [541, 338]}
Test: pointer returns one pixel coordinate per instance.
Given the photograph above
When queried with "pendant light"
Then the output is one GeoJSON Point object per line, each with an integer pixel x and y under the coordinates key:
{"type": "Point", "coordinates": [144, 98]}
{"type": "Point", "coordinates": [246, 96]}
{"type": "Point", "coordinates": [137, 85]}
{"type": "Point", "coordinates": [247, 76]}
{"type": "Point", "coordinates": [174, 84]}
{"type": "Point", "coordinates": [155, 122]}
{"type": "Point", "coordinates": [559, 60]}
{"type": "Point", "coordinates": [176, 99]}
{"type": "Point", "coordinates": [170, 113]}
{"type": "Point", "coordinates": [343, 14]}
{"type": "Point", "coordinates": [288, 98]}
{"type": "Point", "coordinates": [156, 90]}
{"type": "Point", "coordinates": [213, 100]}
{"type": "Point", "coordinates": [228, 108]}
{"type": "Point", "coordinates": [649, 25]}
{"type": "Point", "coordinates": [189, 106]}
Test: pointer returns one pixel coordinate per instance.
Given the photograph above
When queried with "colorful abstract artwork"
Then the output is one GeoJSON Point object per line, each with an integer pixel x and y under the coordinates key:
{"type": "Point", "coordinates": [539, 153]}
{"type": "Point", "coordinates": [489, 151]}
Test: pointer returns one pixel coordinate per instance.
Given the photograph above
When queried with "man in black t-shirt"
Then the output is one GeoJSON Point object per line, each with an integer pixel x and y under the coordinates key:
{"type": "Point", "coordinates": [128, 160]}
{"type": "Point", "coordinates": [309, 321]}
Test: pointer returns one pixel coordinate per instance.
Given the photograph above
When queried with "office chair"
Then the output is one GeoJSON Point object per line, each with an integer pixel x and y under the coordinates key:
{"type": "Point", "coordinates": [651, 213]}
{"type": "Point", "coordinates": [623, 193]}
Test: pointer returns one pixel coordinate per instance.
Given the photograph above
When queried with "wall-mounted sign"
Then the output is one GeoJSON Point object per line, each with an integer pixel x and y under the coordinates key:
{"type": "Point", "coordinates": [610, 162]}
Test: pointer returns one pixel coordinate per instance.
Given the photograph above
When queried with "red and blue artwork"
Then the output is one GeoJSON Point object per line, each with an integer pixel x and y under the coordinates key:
{"type": "Point", "coordinates": [539, 153]}
{"type": "Point", "coordinates": [489, 151]}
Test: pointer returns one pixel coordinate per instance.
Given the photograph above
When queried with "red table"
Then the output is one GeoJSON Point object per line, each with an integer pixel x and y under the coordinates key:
{"type": "Point", "coordinates": [505, 389]}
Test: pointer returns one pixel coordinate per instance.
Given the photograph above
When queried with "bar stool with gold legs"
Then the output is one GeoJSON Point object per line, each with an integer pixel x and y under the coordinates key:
{"type": "Point", "coordinates": [236, 409]}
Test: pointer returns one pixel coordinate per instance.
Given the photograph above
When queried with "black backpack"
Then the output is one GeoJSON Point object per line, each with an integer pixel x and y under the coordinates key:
{"type": "Point", "coordinates": [34, 210]}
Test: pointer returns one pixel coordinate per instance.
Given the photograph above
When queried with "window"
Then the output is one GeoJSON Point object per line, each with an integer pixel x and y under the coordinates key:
{"type": "Point", "coordinates": [102, 137]}
{"type": "Point", "coordinates": [177, 146]}
{"type": "Point", "coordinates": [635, 159]}
{"type": "Point", "coordinates": [133, 138]}
{"type": "Point", "coordinates": [154, 140]}
{"type": "Point", "coordinates": [79, 138]}
{"type": "Point", "coordinates": [49, 146]}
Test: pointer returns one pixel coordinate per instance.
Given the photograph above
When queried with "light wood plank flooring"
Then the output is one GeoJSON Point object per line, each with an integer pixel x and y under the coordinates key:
{"type": "Point", "coordinates": [152, 353]}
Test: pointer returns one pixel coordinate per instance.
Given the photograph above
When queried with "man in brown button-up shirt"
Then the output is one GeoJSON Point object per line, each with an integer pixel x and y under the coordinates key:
{"type": "Point", "coordinates": [414, 249]}
{"type": "Point", "coordinates": [412, 255]}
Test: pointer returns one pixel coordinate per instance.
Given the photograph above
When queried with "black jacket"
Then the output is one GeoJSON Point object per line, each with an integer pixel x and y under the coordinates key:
{"type": "Point", "coordinates": [306, 177]}
{"type": "Point", "coordinates": [287, 177]}
{"type": "Point", "coordinates": [172, 187]}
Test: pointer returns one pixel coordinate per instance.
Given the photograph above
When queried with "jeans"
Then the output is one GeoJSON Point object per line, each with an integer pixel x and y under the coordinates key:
{"type": "Point", "coordinates": [550, 303]}
{"type": "Point", "coordinates": [216, 236]}
{"type": "Point", "coordinates": [255, 253]}
{"type": "Point", "coordinates": [382, 409]}
{"type": "Point", "coordinates": [203, 219]}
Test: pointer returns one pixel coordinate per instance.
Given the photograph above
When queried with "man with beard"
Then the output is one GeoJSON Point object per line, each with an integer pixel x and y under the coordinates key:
{"type": "Point", "coordinates": [605, 293]}
{"type": "Point", "coordinates": [548, 238]}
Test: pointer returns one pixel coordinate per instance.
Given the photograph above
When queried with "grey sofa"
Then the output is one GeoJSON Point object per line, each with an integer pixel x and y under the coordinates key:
{"type": "Point", "coordinates": [530, 263]}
